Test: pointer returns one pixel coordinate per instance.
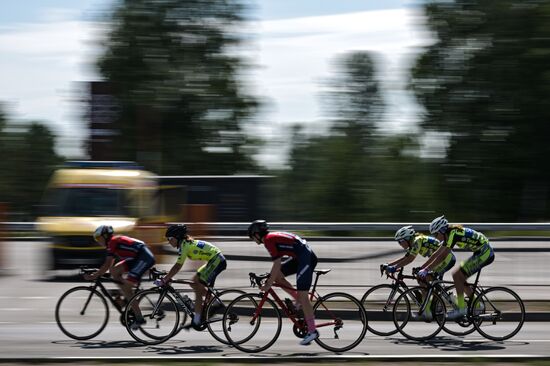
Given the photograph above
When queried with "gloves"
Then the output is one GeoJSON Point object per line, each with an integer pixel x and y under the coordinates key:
{"type": "Point", "coordinates": [391, 269]}
{"type": "Point", "coordinates": [423, 273]}
{"type": "Point", "coordinates": [159, 282]}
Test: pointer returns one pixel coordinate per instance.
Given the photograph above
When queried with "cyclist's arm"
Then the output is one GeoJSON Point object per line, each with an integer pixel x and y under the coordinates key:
{"type": "Point", "coordinates": [403, 261]}
{"type": "Point", "coordinates": [275, 272]}
{"type": "Point", "coordinates": [436, 258]}
{"type": "Point", "coordinates": [109, 261]}
{"type": "Point", "coordinates": [175, 269]}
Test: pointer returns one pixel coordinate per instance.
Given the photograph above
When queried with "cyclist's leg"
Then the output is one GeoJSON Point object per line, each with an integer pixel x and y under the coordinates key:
{"type": "Point", "coordinates": [469, 267]}
{"type": "Point", "coordinates": [135, 268]}
{"type": "Point", "coordinates": [288, 267]}
{"type": "Point", "coordinates": [206, 276]}
{"type": "Point", "coordinates": [307, 261]}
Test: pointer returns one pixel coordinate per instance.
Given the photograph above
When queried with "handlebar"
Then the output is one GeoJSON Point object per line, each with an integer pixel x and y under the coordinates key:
{"type": "Point", "coordinates": [87, 271]}
{"type": "Point", "coordinates": [155, 274]}
{"type": "Point", "coordinates": [258, 280]}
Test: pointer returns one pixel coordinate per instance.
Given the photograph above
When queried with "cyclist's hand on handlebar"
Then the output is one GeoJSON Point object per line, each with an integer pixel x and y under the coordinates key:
{"type": "Point", "coordinates": [160, 282]}
{"type": "Point", "coordinates": [90, 277]}
{"type": "Point", "coordinates": [391, 269]}
{"type": "Point", "coordinates": [423, 273]}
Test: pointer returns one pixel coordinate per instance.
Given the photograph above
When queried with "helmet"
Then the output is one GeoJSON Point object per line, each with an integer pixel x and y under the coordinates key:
{"type": "Point", "coordinates": [177, 231]}
{"type": "Point", "coordinates": [404, 233]}
{"type": "Point", "coordinates": [103, 231]}
{"type": "Point", "coordinates": [438, 224]}
{"type": "Point", "coordinates": [258, 227]}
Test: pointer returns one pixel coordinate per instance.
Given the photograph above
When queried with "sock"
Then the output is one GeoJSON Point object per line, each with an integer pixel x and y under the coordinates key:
{"type": "Point", "coordinates": [197, 318]}
{"type": "Point", "coordinates": [460, 301]}
{"type": "Point", "coordinates": [311, 324]}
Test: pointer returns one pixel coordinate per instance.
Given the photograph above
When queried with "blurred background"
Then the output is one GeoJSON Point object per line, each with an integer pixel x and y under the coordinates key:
{"type": "Point", "coordinates": [230, 110]}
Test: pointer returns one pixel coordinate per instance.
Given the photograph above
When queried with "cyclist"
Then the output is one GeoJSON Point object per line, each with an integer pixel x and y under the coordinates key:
{"type": "Point", "coordinates": [188, 247]}
{"type": "Point", "coordinates": [134, 258]}
{"type": "Point", "coordinates": [301, 260]}
{"type": "Point", "coordinates": [466, 238]}
{"type": "Point", "coordinates": [415, 243]}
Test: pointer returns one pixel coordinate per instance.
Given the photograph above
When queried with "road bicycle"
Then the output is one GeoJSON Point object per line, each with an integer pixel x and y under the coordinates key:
{"type": "Point", "coordinates": [378, 302]}
{"type": "Point", "coordinates": [82, 312]}
{"type": "Point", "coordinates": [253, 321]}
{"type": "Point", "coordinates": [165, 311]}
{"type": "Point", "coordinates": [497, 313]}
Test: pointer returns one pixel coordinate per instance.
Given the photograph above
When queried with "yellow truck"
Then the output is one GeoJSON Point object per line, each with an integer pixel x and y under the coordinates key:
{"type": "Point", "coordinates": [83, 195]}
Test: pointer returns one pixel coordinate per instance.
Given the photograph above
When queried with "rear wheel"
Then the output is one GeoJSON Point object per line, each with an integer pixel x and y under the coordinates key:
{"type": "Point", "coordinates": [501, 316]}
{"type": "Point", "coordinates": [160, 312]}
{"type": "Point", "coordinates": [214, 313]}
{"type": "Point", "coordinates": [340, 320]}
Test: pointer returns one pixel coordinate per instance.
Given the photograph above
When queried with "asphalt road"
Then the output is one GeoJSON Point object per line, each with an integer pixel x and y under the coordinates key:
{"type": "Point", "coordinates": [28, 298]}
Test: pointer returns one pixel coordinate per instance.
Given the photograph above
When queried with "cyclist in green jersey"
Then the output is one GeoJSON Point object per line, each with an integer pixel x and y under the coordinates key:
{"type": "Point", "coordinates": [193, 249]}
{"type": "Point", "coordinates": [415, 243]}
{"type": "Point", "coordinates": [464, 238]}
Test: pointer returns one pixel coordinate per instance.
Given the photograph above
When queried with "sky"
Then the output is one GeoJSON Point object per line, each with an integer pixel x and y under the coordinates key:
{"type": "Point", "coordinates": [47, 48]}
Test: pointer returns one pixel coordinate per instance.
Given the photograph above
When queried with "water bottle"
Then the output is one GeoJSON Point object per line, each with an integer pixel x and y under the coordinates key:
{"type": "Point", "coordinates": [188, 302]}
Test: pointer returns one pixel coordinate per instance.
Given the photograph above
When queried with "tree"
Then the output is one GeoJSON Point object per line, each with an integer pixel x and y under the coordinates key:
{"type": "Point", "coordinates": [177, 78]}
{"type": "Point", "coordinates": [484, 83]}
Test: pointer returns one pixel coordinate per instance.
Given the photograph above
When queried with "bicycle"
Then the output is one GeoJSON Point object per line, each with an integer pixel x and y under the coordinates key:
{"type": "Point", "coordinates": [164, 305]}
{"type": "Point", "coordinates": [338, 314]}
{"type": "Point", "coordinates": [82, 312]}
{"type": "Point", "coordinates": [378, 302]}
{"type": "Point", "coordinates": [486, 308]}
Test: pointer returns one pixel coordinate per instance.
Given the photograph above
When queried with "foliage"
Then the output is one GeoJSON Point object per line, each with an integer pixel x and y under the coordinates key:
{"type": "Point", "coordinates": [178, 80]}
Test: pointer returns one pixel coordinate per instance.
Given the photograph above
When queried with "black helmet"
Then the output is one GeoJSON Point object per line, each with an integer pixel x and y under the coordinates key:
{"type": "Point", "coordinates": [177, 231]}
{"type": "Point", "coordinates": [258, 227]}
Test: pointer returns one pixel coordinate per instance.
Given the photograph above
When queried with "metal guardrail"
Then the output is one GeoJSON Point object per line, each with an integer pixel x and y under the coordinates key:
{"type": "Point", "coordinates": [368, 226]}
{"type": "Point", "coordinates": [329, 226]}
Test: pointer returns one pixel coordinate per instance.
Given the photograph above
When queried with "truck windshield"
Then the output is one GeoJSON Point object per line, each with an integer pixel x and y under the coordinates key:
{"type": "Point", "coordinates": [87, 202]}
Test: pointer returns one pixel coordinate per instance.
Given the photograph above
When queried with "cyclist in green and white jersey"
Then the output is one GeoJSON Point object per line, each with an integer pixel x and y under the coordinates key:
{"type": "Point", "coordinates": [200, 250]}
{"type": "Point", "coordinates": [465, 238]}
{"type": "Point", "coordinates": [415, 243]}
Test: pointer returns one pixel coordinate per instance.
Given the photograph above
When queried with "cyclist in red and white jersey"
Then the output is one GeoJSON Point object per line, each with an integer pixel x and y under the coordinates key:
{"type": "Point", "coordinates": [300, 260]}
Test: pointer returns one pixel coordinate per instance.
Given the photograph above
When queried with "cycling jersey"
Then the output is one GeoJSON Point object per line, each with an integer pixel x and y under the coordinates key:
{"type": "Point", "coordinates": [123, 247]}
{"type": "Point", "coordinates": [423, 245]}
{"type": "Point", "coordinates": [281, 244]}
{"type": "Point", "coordinates": [466, 239]}
{"type": "Point", "coordinates": [196, 250]}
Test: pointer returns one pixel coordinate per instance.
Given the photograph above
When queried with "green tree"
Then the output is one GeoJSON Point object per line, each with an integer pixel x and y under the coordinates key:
{"type": "Point", "coordinates": [178, 81]}
{"type": "Point", "coordinates": [28, 160]}
{"type": "Point", "coordinates": [484, 83]}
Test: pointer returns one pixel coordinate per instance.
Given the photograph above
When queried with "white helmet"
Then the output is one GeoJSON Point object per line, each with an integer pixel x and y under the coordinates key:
{"type": "Point", "coordinates": [405, 233]}
{"type": "Point", "coordinates": [103, 231]}
{"type": "Point", "coordinates": [438, 224]}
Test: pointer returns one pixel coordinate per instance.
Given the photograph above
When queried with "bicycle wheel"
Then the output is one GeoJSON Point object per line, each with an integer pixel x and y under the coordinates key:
{"type": "Point", "coordinates": [251, 324]}
{"type": "Point", "coordinates": [460, 327]}
{"type": "Point", "coordinates": [340, 320]}
{"type": "Point", "coordinates": [411, 320]}
{"type": "Point", "coordinates": [160, 312]}
{"type": "Point", "coordinates": [214, 313]}
{"type": "Point", "coordinates": [378, 304]}
{"type": "Point", "coordinates": [82, 313]}
{"type": "Point", "coordinates": [502, 314]}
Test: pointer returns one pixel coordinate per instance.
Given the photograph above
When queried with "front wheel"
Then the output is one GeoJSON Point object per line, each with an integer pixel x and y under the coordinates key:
{"type": "Point", "coordinates": [498, 313]}
{"type": "Point", "coordinates": [340, 320]}
{"type": "Point", "coordinates": [378, 304]}
{"type": "Point", "coordinates": [82, 313]}
{"type": "Point", "coordinates": [160, 313]}
{"type": "Point", "coordinates": [252, 323]}
{"type": "Point", "coordinates": [415, 317]}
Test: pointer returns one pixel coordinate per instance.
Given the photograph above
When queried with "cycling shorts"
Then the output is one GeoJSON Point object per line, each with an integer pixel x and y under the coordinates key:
{"type": "Point", "coordinates": [303, 265]}
{"type": "Point", "coordinates": [446, 265]}
{"type": "Point", "coordinates": [481, 258]}
{"type": "Point", "coordinates": [208, 272]}
{"type": "Point", "coordinates": [137, 266]}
